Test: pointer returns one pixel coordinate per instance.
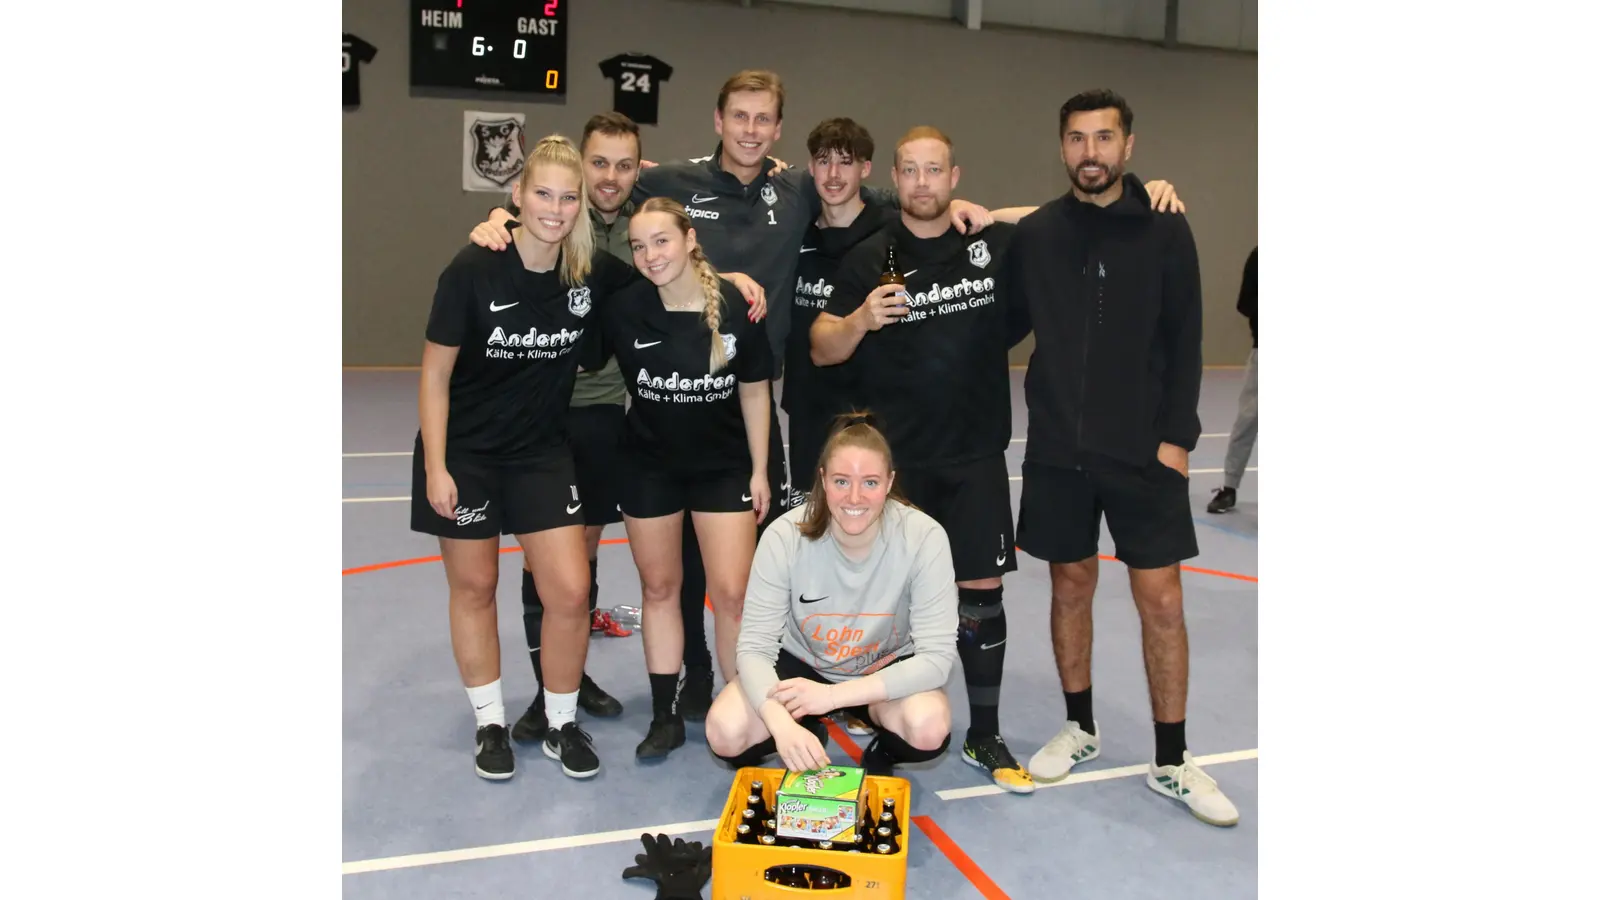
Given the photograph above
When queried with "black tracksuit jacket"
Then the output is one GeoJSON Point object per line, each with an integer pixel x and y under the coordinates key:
{"type": "Point", "coordinates": [1113, 298]}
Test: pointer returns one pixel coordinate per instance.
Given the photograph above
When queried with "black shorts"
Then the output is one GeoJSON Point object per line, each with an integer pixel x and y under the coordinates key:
{"type": "Point", "coordinates": [1146, 510]}
{"type": "Point", "coordinates": [493, 499]}
{"type": "Point", "coordinates": [791, 666]}
{"type": "Point", "coordinates": [972, 501]}
{"type": "Point", "coordinates": [595, 433]}
{"type": "Point", "coordinates": [648, 491]}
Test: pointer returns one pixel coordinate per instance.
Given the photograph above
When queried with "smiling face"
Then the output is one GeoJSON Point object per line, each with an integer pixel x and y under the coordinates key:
{"type": "Point", "coordinates": [548, 196]}
{"type": "Point", "coordinates": [610, 168]}
{"type": "Point", "coordinates": [1095, 149]}
{"type": "Point", "coordinates": [856, 484]}
{"type": "Point", "coordinates": [660, 246]}
{"type": "Point", "coordinates": [749, 125]}
{"type": "Point", "coordinates": [838, 176]}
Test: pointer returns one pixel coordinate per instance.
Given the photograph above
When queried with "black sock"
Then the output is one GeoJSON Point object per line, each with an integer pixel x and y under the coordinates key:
{"type": "Point", "coordinates": [981, 641]}
{"type": "Point", "coordinates": [1169, 744]}
{"type": "Point", "coordinates": [1080, 708]}
{"type": "Point", "coordinates": [899, 750]}
{"type": "Point", "coordinates": [692, 601]}
{"type": "Point", "coordinates": [663, 694]}
{"type": "Point", "coordinates": [532, 624]}
{"type": "Point", "coordinates": [594, 584]}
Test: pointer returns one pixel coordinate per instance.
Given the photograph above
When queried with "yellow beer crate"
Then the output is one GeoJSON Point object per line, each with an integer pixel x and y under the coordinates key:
{"type": "Point", "coordinates": [743, 871]}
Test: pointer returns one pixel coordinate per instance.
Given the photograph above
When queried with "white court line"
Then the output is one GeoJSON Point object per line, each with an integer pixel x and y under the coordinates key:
{"type": "Point", "coordinates": [1219, 434]}
{"type": "Point", "coordinates": [985, 790]}
{"type": "Point", "coordinates": [561, 843]}
{"type": "Point", "coordinates": [627, 835]}
{"type": "Point", "coordinates": [1011, 478]}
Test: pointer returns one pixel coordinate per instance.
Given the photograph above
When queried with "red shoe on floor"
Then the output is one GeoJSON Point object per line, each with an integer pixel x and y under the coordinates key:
{"type": "Point", "coordinates": [601, 621]}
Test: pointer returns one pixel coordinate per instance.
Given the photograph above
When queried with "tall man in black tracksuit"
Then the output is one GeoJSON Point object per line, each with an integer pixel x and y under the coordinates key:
{"type": "Point", "coordinates": [1113, 293]}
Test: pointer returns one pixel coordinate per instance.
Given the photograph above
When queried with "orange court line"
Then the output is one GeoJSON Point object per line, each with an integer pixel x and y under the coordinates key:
{"type": "Point", "coordinates": [431, 559]}
{"type": "Point", "coordinates": [960, 860]}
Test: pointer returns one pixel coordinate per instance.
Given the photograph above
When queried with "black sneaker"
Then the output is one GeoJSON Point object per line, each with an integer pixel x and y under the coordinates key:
{"type": "Point", "coordinates": [533, 724]}
{"type": "Point", "coordinates": [573, 747]}
{"type": "Point", "coordinates": [596, 702]}
{"type": "Point", "coordinates": [494, 758]}
{"type": "Point", "coordinates": [876, 760]}
{"type": "Point", "coordinates": [989, 752]}
{"type": "Point", "coordinates": [694, 693]}
{"type": "Point", "coordinates": [1223, 501]}
{"type": "Point", "coordinates": [666, 735]}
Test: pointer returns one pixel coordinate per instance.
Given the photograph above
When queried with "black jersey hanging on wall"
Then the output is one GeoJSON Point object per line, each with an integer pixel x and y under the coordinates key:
{"type": "Point", "coordinates": [637, 88]}
{"type": "Point", "coordinates": [356, 51]}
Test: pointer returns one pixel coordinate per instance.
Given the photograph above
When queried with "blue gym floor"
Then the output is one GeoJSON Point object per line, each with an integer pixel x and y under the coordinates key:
{"type": "Point", "coordinates": [419, 823]}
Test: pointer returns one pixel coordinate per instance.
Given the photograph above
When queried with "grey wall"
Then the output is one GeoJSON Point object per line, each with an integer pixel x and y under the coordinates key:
{"type": "Point", "coordinates": [996, 92]}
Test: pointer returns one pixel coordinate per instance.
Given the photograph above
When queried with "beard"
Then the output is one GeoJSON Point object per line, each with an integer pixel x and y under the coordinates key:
{"type": "Point", "coordinates": [1111, 174]}
{"type": "Point", "coordinates": [930, 209]}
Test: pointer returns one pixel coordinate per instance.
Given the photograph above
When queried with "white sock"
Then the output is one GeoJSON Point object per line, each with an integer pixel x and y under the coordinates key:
{"type": "Point", "coordinates": [487, 704]}
{"type": "Point", "coordinates": [560, 708]}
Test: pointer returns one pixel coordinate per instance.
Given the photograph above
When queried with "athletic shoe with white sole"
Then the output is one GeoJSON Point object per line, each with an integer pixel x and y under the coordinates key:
{"type": "Point", "coordinates": [1192, 787]}
{"type": "Point", "coordinates": [990, 754]}
{"type": "Point", "coordinates": [1070, 746]}
{"type": "Point", "coordinates": [574, 749]}
{"type": "Point", "coordinates": [853, 725]}
{"type": "Point", "coordinates": [493, 756]}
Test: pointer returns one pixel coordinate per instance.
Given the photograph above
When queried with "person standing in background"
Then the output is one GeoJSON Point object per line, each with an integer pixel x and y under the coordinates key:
{"type": "Point", "coordinates": [1243, 439]}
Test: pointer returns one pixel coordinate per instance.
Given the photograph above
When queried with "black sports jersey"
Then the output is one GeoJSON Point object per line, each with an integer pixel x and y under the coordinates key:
{"type": "Point", "coordinates": [807, 386]}
{"type": "Point", "coordinates": [521, 336]}
{"type": "Point", "coordinates": [938, 377]}
{"type": "Point", "coordinates": [637, 89]}
{"type": "Point", "coordinates": [356, 51]}
{"type": "Point", "coordinates": [754, 228]}
{"type": "Point", "coordinates": [684, 418]}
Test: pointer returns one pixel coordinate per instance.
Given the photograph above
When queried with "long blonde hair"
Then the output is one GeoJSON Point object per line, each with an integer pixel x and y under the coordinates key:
{"type": "Point", "coordinates": [577, 248]}
{"type": "Point", "coordinates": [710, 281]}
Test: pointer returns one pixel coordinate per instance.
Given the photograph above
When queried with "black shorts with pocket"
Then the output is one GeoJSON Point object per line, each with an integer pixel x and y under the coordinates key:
{"type": "Point", "coordinates": [1147, 511]}
{"type": "Point", "coordinates": [595, 434]}
{"type": "Point", "coordinates": [497, 498]}
{"type": "Point", "coordinates": [972, 502]}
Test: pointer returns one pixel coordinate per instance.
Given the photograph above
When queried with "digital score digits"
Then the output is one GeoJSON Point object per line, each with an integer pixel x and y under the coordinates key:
{"type": "Point", "coordinates": [511, 46]}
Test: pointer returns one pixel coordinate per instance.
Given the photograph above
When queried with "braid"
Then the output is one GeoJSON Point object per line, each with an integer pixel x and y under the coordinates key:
{"type": "Point", "coordinates": [711, 286]}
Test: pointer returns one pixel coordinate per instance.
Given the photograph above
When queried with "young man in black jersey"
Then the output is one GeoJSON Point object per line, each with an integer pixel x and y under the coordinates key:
{"type": "Point", "coordinates": [1113, 387]}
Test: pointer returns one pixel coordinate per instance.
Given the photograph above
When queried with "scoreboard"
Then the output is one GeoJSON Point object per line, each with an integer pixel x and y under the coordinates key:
{"type": "Point", "coordinates": [512, 46]}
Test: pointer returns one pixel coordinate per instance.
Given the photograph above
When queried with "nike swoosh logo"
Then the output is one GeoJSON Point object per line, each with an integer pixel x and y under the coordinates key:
{"type": "Point", "coordinates": [574, 508]}
{"type": "Point", "coordinates": [991, 646]}
{"type": "Point", "coordinates": [699, 199]}
{"type": "Point", "coordinates": [745, 498]}
{"type": "Point", "coordinates": [805, 599]}
{"type": "Point", "coordinates": [807, 249]}
{"type": "Point", "coordinates": [908, 274]}
{"type": "Point", "coordinates": [639, 346]}
{"type": "Point", "coordinates": [494, 308]}
{"type": "Point", "coordinates": [485, 706]}
{"type": "Point", "coordinates": [1001, 559]}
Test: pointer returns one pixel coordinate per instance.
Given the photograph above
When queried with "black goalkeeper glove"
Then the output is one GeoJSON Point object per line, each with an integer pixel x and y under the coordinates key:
{"type": "Point", "coordinates": [679, 869]}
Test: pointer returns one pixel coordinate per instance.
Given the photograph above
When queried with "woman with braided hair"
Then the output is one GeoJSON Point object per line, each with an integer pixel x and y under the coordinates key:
{"type": "Point", "coordinates": [697, 367]}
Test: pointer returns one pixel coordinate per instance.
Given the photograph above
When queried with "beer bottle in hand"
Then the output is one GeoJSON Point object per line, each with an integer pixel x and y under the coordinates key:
{"type": "Point", "coordinates": [891, 270]}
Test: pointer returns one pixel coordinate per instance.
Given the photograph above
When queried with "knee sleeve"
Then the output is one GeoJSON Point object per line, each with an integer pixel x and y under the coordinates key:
{"type": "Point", "coordinates": [983, 619]}
{"type": "Point", "coordinates": [902, 752]}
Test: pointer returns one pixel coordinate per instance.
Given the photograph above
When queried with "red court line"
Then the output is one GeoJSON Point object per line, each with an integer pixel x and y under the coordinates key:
{"type": "Point", "coordinates": [960, 860]}
{"type": "Point", "coordinates": [843, 739]}
{"type": "Point", "coordinates": [432, 559]}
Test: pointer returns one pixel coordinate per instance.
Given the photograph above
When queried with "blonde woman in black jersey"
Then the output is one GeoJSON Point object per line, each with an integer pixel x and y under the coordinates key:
{"type": "Point", "coordinates": [696, 441]}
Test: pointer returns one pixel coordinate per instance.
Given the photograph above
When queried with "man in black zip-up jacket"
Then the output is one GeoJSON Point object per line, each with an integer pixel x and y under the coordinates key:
{"type": "Point", "coordinates": [1112, 293]}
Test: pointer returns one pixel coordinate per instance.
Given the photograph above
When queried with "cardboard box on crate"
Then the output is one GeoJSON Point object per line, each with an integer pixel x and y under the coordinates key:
{"type": "Point", "coordinates": [751, 870]}
{"type": "Point", "coordinates": [820, 805]}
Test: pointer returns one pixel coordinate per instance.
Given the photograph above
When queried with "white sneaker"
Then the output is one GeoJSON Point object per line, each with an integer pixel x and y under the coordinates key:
{"type": "Point", "coordinates": [1072, 745]}
{"type": "Point", "coordinates": [1192, 787]}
